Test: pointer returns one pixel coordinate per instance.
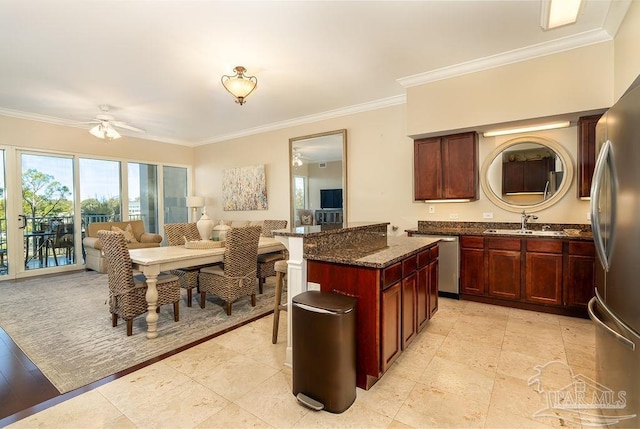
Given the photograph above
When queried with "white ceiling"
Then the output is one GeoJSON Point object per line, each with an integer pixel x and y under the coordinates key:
{"type": "Point", "coordinates": [159, 63]}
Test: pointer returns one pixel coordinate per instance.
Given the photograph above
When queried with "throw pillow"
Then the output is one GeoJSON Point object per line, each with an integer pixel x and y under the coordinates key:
{"type": "Point", "coordinates": [127, 232]}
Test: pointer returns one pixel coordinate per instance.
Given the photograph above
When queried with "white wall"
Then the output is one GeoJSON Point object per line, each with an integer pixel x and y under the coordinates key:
{"type": "Point", "coordinates": [626, 49]}
{"type": "Point", "coordinates": [329, 177]}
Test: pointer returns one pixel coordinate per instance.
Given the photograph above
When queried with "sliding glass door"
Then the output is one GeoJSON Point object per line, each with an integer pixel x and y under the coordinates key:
{"type": "Point", "coordinates": [46, 212]}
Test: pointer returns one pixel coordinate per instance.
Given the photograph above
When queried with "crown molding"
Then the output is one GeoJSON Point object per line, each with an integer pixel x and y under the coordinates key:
{"type": "Point", "coordinates": [358, 108]}
{"type": "Point", "coordinates": [517, 55]}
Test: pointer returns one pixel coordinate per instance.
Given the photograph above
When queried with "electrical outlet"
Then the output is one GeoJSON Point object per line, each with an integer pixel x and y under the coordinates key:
{"type": "Point", "coordinates": [453, 216]}
{"type": "Point", "coordinates": [588, 215]}
{"type": "Point", "coordinates": [487, 215]}
{"type": "Point", "coordinates": [432, 209]}
{"type": "Point", "coordinates": [313, 286]}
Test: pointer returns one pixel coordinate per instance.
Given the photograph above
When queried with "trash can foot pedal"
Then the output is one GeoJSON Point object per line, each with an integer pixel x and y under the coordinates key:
{"type": "Point", "coordinates": [309, 402]}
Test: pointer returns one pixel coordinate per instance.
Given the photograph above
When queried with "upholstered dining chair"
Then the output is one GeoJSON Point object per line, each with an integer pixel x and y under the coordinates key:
{"type": "Point", "coordinates": [266, 261]}
{"type": "Point", "coordinates": [175, 233]}
{"type": "Point", "coordinates": [126, 291]}
{"type": "Point", "coordinates": [236, 277]}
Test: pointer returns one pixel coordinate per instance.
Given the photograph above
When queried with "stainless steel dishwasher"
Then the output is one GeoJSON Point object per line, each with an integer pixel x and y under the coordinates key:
{"type": "Point", "coordinates": [448, 264]}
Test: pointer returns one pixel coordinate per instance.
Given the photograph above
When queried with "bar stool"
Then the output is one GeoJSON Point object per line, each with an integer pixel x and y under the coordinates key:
{"type": "Point", "coordinates": [280, 268]}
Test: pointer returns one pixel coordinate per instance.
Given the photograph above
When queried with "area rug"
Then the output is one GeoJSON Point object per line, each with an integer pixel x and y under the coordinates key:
{"type": "Point", "coordinates": [62, 323]}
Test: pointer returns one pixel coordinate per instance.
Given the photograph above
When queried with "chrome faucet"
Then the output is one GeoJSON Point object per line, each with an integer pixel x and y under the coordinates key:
{"type": "Point", "coordinates": [524, 219]}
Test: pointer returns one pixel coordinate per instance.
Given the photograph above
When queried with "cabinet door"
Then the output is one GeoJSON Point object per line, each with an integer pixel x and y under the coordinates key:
{"type": "Point", "coordinates": [503, 280]}
{"type": "Point", "coordinates": [536, 175]}
{"type": "Point", "coordinates": [390, 324]}
{"type": "Point", "coordinates": [427, 169]}
{"type": "Point", "coordinates": [472, 271]}
{"type": "Point", "coordinates": [460, 166]}
{"type": "Point", "coordinates": [433, 287]}
{"type": "Point", "coordinates": [543, 280]}
{"type": "Point", "coordinates": [512, 177]}
{"type": "Point", "coordinates": [422, 307]}
{"type": "Point", "coordinates": [579, 276]}
{"type": "Point", "coordinates": [409, 302]}
{"type": "Point", "coordinates": [586, 153]}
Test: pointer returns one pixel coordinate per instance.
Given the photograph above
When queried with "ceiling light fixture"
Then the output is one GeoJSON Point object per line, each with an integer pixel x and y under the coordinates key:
{"type": "Point", "coordinates": [239, 85]}
{"type": "Point", "coordinates": [105, 131]}
{"type": "Point", "coordinates": [556, 13]}
{"type": "Point", "coordinates": [541, 127]}
{"type": "Point", "coordinates": [297, 161]}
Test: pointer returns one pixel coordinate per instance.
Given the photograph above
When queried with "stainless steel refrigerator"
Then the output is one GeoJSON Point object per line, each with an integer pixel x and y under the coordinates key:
{"type": "Point", "coordinates": [615, 221]}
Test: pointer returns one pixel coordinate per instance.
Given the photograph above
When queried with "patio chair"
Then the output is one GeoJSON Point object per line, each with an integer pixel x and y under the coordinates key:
{"type": "Point", "coordinates": [175, 233]}
{"type": "Point", "coordinates": [126, 291]}
{"type": "Point", "coordinates": [63, 239]}
{"type": "Point", "coordinates": [266, 262]}
{"type": "Point", "coordinates": [236, 278]}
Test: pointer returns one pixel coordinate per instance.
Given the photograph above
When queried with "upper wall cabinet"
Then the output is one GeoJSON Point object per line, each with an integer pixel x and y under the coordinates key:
{"type": "Point", "coordinates": [586, 153]}
{"type": "Point", "coordinates": [446, 167]}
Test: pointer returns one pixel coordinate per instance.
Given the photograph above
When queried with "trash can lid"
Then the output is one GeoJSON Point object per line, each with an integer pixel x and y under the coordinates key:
{"type": "Point", "coordinates": [333, 302]}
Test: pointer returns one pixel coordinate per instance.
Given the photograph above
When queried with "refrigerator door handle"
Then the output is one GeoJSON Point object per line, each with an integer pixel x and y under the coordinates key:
{"type": "Point", "coordinates": [596, 184]}
{"type": "Point", "coordinates": [620, 338]}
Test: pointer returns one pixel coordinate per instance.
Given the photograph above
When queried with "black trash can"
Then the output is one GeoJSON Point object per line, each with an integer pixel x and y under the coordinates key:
{"type": "Point", "coordinates": [324, 350]}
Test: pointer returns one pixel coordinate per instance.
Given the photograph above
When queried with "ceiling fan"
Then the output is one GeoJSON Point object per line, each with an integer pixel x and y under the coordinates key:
{"type": "Point", "coordinates": [106, 125]}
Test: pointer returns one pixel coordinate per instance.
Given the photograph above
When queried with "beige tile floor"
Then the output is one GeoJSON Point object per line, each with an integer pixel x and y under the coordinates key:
{"type": "Point", "coordinates": [469, 368]}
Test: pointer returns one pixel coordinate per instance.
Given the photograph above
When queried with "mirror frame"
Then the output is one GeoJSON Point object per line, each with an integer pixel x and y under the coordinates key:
{"type": "Point", "coordinates": [551, 144]}
{"type": "Point", "coordinates": [343, 132]}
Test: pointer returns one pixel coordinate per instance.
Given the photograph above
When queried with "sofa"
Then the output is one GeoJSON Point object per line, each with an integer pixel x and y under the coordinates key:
{"type": "Point", "coordinates": [133, 231]}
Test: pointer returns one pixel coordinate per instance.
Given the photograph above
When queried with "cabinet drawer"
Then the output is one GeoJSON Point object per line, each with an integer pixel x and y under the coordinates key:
{"type": "Point", "coordinates": [504, 243]}
{"type": "Point", "coordinates": [391, 275]}
{"type": "Point", "coordinates": [544, 246]}
{"type": "Point", "coordinates": [473, 242]}
{"type": "Point", "coordinates": [433, 253]}
{"type": "Point", "coordinates": [582, 248]}
{"type": "Point", "coordinates": [409, 265]}
{"type": "Point", "coordinates": [423, 258]}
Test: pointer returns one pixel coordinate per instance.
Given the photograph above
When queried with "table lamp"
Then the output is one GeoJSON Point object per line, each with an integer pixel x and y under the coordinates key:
{"type": "Point", "coordinates": [195, 203]}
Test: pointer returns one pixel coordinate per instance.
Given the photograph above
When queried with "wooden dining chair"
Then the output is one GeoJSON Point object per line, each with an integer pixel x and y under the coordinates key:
{"type": "Point", "coordinates": [126, 291]}
{"type": "Point", "coordinates": [236, 278]}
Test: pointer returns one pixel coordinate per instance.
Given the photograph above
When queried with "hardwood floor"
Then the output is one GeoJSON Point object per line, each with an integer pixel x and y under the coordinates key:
{"type": "Point", "coordinates": [22, 385]}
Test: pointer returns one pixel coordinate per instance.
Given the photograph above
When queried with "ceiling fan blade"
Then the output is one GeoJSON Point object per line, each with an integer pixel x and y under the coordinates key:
{"type": "Point", "coordinates": [126, 126]}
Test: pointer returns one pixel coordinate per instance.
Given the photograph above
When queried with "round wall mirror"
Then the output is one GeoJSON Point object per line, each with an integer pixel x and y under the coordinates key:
{"type": "Point", "coordinates": [527, 173]}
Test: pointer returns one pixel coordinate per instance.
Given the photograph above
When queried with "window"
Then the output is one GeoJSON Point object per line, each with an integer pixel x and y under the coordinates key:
{"type": "Point", "coordinates": [175, 194]}
{"type": "Point", "coordinates": [100, 198]}
{"type": "Point", "coordinates": [143, 194]}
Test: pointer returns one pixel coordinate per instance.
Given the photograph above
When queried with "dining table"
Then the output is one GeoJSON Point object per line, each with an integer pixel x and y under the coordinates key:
{"type": "Point", "coordinates": [152, 261]}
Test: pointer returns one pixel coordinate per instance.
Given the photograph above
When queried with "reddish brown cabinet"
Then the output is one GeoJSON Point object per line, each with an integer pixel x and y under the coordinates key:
{"type": "Point", "coordinates": [394, 304]}
{"type": "Point", "coordinates": [586, 153]}
{"type": "Point", "coordinates": [526, 176]}
{"type": "Point", "coordinates": [472, 271]}
{"type": "Point", "coordinates": [551, 275]}
{"type": "Point", "coordinates": [503, 267]}
{"type": "Point", "coordinates": [446, 167]}
{"type": "Point", "coordinates": [543, 268]}
{"type": "Point", "coordinates": [580, 273]}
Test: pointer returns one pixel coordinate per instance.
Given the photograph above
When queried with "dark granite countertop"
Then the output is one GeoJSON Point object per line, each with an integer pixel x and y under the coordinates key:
{"type": "Point", "coordinates": [478, 228]}
{"type": "Point", "coordinates": [397, 249]}
{"type": "Point", "coordinates": [318, 230]}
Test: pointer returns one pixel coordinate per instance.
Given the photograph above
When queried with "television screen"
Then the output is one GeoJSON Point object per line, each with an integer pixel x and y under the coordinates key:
{"type": "Point", "coordinates": [331, 198]}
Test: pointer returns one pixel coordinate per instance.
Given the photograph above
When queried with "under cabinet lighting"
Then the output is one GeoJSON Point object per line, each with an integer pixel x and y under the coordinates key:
{"type": "Point", "coordinates": [556, 13]}
{"type": "Point", "coordinates": [541, 127]}
{"type": "Point", "coordinates": [453, 200]}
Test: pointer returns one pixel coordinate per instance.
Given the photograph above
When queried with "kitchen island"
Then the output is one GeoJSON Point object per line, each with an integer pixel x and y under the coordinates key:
{"type": "Point", "coordinates": [394, 279]}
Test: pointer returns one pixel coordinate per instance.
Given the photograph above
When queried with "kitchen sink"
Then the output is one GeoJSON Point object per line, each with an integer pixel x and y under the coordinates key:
{"type": "Point", "coordinates": [526, 232]}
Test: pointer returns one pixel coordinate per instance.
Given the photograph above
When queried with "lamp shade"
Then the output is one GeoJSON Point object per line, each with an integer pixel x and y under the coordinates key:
{"type": "Point", "coordinates": [104, 131]}
{"type": "Point", "coordinates": [195, 202]}
{"type": "Point", "coordinates": [239, 85]}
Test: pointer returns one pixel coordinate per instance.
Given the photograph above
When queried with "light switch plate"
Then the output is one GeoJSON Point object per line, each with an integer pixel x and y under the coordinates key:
{"type": "Point", "coordinates": [432, 209]}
